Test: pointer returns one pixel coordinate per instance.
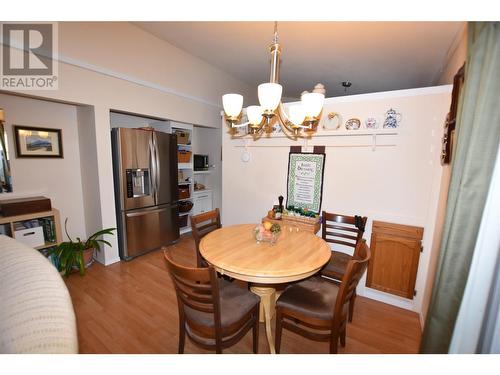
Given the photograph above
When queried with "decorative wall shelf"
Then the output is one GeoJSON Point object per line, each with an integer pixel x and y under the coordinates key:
{"type": "Point", "coordinates": [328, 138]}
{"type": "Point", "coordinates": [359, 132]}
{"type": "Point", "coordinates": [333, 133]}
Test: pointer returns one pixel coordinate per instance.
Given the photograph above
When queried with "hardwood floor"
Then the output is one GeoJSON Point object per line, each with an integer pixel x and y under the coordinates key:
{"type": "Point", "coordinates": [131, 307]}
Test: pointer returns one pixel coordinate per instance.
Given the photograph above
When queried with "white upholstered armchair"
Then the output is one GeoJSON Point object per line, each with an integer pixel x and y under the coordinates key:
{"type": "Point", "coordinates": [36, 313]}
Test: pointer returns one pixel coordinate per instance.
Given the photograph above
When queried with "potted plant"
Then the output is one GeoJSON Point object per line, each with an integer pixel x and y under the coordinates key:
{"type": "Point", "coordinates": [79, 254]}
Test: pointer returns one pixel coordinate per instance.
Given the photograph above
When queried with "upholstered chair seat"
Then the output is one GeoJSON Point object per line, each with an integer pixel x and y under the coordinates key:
{"type": "Point", "coordinates": [235, 303]}
{"type": "Point", "coordinates": [312, 297]}
{"type": "Point", "coordinates": [336, 268]}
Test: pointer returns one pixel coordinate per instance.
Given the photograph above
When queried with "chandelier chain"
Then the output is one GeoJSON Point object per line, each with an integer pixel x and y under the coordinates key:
{"type": "Point", "coordinates": [275, 39]}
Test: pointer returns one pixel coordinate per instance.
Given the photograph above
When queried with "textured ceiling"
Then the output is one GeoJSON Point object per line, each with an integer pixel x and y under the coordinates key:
{"type": "Point", "coordinates": [374, 56]}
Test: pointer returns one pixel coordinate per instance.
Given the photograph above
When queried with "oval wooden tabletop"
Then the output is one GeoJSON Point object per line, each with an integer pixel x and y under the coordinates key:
{"type": "Point", "coordinates": [234, 251]}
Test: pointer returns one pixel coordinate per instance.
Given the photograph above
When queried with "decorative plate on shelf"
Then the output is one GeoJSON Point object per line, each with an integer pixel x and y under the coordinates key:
{"type": "Point", "coordinates": [392, 119]}
{"type": "Point", "coordinates": [333, 121]}
{"type": "Point", "coordinates": [371, 123]}
{"type": "Point", "coordinates": [353, 124]}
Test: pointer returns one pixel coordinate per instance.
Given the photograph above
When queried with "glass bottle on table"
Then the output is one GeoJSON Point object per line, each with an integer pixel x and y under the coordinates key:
{"type": "Point", "coordinates": [279, 209]}
{"type": "Point", "coordinates": [277, 212]}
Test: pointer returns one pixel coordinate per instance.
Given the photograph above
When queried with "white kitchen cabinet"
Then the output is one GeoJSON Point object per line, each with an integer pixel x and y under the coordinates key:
{"type": "Point", "coordinates": [202, 201]}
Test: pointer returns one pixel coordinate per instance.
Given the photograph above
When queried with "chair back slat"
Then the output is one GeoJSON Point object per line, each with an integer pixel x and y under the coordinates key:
{"type": "Point", "coordinates": [341, 235]}
{"type": "Point", "coordinates": [342, 227]}
{"type": "Point", "coordinates": [194, 293]}
{"type": "Point", "coordinates": [196, 305]}
{"type": "Point", "coordinates": [195, 287]}
{"type": "Point", "coordinates": [206, 228]}
{"type": "Point", "coordinates": [354, 271]}
{"type": "Point", "coordinates": [339, 229]}
{"type": "Point", "coordinates": [201, 225]}
{"type": "Point", "coordinates": [345, 243]}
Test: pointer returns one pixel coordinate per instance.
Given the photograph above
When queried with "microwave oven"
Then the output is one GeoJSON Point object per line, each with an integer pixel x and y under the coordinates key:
{"type": "Point", "coordinates": [200, 162]}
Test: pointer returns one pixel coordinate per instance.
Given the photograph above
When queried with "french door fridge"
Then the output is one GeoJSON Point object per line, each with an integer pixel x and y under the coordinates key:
{"type": "Point", "coordinates": [145, 177]}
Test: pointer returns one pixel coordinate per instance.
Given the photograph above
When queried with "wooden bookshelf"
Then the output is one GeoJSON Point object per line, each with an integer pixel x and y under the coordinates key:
{"type": "Point", "coordinates": [52, 214]}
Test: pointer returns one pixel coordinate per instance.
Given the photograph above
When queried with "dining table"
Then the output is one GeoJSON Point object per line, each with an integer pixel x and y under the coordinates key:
{"type": "Point", "coordinates": [235, 252]}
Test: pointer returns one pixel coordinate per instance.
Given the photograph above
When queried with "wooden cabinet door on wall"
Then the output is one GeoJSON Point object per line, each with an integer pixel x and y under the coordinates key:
{"type": "Point", "coordinates": [395, 253]}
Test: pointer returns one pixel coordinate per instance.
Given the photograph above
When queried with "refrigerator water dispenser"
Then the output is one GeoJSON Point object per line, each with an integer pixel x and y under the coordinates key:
{"type": "Point", "coordinates": [137, 182]}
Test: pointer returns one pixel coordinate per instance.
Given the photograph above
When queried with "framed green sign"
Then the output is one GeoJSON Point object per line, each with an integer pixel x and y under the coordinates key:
{"type": "Point", "coordinates": [305, 181]}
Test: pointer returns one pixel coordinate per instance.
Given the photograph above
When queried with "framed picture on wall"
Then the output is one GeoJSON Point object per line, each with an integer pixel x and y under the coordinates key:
{"type": "Point", "coordinates": [34, 142]}
{"type": "Point", "coordinates": [305, 180]}
{"type": "Point", "coordinates": [451, 119]}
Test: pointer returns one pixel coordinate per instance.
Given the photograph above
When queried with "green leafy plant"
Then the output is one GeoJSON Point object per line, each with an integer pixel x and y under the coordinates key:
{"type": "Point", "coordinates": [70, 253]}
{"type": "Point", "coordinates": [302, 211]}
{"type": "Point", "coordinates": [276, 228]}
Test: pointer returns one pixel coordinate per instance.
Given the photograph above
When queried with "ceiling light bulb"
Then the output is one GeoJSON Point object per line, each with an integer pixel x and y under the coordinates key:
{"type": "Point", "coordinates": [254, 114]}
{"type": "Point", "coordinates": [297, 114]}
{"type": "Point", "coordinates": [269, 96]}
{"type": "Point", "coordinates": [233, 103]}
{"type": "Point", "coordinates": [313, 103]}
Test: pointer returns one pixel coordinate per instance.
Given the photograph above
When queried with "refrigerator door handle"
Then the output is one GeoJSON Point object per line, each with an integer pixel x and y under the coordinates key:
{"type": "Point", "coordinates": [147, 212]}
{"type": "Point", "coordinates": [152, 169]}
{"type": "Point", "coordinates": [157, 172]}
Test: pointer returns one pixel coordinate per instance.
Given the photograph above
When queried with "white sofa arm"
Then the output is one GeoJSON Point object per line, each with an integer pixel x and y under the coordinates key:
{"type": "Point", "coordinates": [36, 313]}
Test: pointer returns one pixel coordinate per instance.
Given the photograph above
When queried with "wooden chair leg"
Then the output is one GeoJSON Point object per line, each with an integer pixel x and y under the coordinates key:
{"type": "Point", "coordinates": [351, 305]}
{"type": "Point", "coordinates": [277, 333]}
{"type": "Point", "coordinates": [256, 331]}
{"type": "Point", "coordinates": [182, 335]}
{"type": "Point", "coordinates": [342, 337]}
{"type": "Point", "coordinates": [334, 343]}
{"type": "Point", "coordinates": [218, 344]}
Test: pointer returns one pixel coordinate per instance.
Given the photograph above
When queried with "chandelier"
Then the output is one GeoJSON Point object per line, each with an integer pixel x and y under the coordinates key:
{"type": "Point", "coordinates": [302, 119]}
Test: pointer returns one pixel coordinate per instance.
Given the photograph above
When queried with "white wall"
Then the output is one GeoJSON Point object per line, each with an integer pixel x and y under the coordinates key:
{"type": "Point", "coordinates": [118, 66]}
{"type": "Point", "coordinates": [397, 182]}
{"type": "Point", "coordinates": [455, 57]}
{"type": "Point", "coordinates": [89, 171]}
{"type": "Point", "coordinates": [58, 179]}
{"type": "Point", "coordinates": [454, 60]}
{"type": "Point", "coordinates": [124, 120]}
{"type": "Point", "coordinates": [130, 51]}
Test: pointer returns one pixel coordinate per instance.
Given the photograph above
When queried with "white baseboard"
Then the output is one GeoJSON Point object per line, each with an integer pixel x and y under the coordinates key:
{"type": "Point", "coordinates": [111, 261]}
{"type": "Point", "coordinates": [387, 298]}
{"type": "Point", "coordinates": [107, 263]}
{"type": "Point", "coordinates": [422, 321]}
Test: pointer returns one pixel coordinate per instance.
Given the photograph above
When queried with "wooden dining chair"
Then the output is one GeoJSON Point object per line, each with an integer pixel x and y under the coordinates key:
{"type": "Point", "coordinates": [201, 225]}
{"type": "Point", "coordinates": [343, 230]}
{"type": "Point", "coordinates": [318, 309]}
{"type": "Point", "coordinates": [213, 312]}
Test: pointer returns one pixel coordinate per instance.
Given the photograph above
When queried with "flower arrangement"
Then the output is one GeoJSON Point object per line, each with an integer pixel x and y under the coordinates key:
{"type": "Point", "coordinates": [298, 211]}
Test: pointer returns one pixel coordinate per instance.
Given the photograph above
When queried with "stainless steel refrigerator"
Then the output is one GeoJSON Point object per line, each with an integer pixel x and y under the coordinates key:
{"type": "Point", "coordinates": [145, 177]}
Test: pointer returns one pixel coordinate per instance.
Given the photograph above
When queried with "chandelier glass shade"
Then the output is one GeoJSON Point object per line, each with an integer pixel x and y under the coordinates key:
{"type": "Point", "coordinates": [301, 117]}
